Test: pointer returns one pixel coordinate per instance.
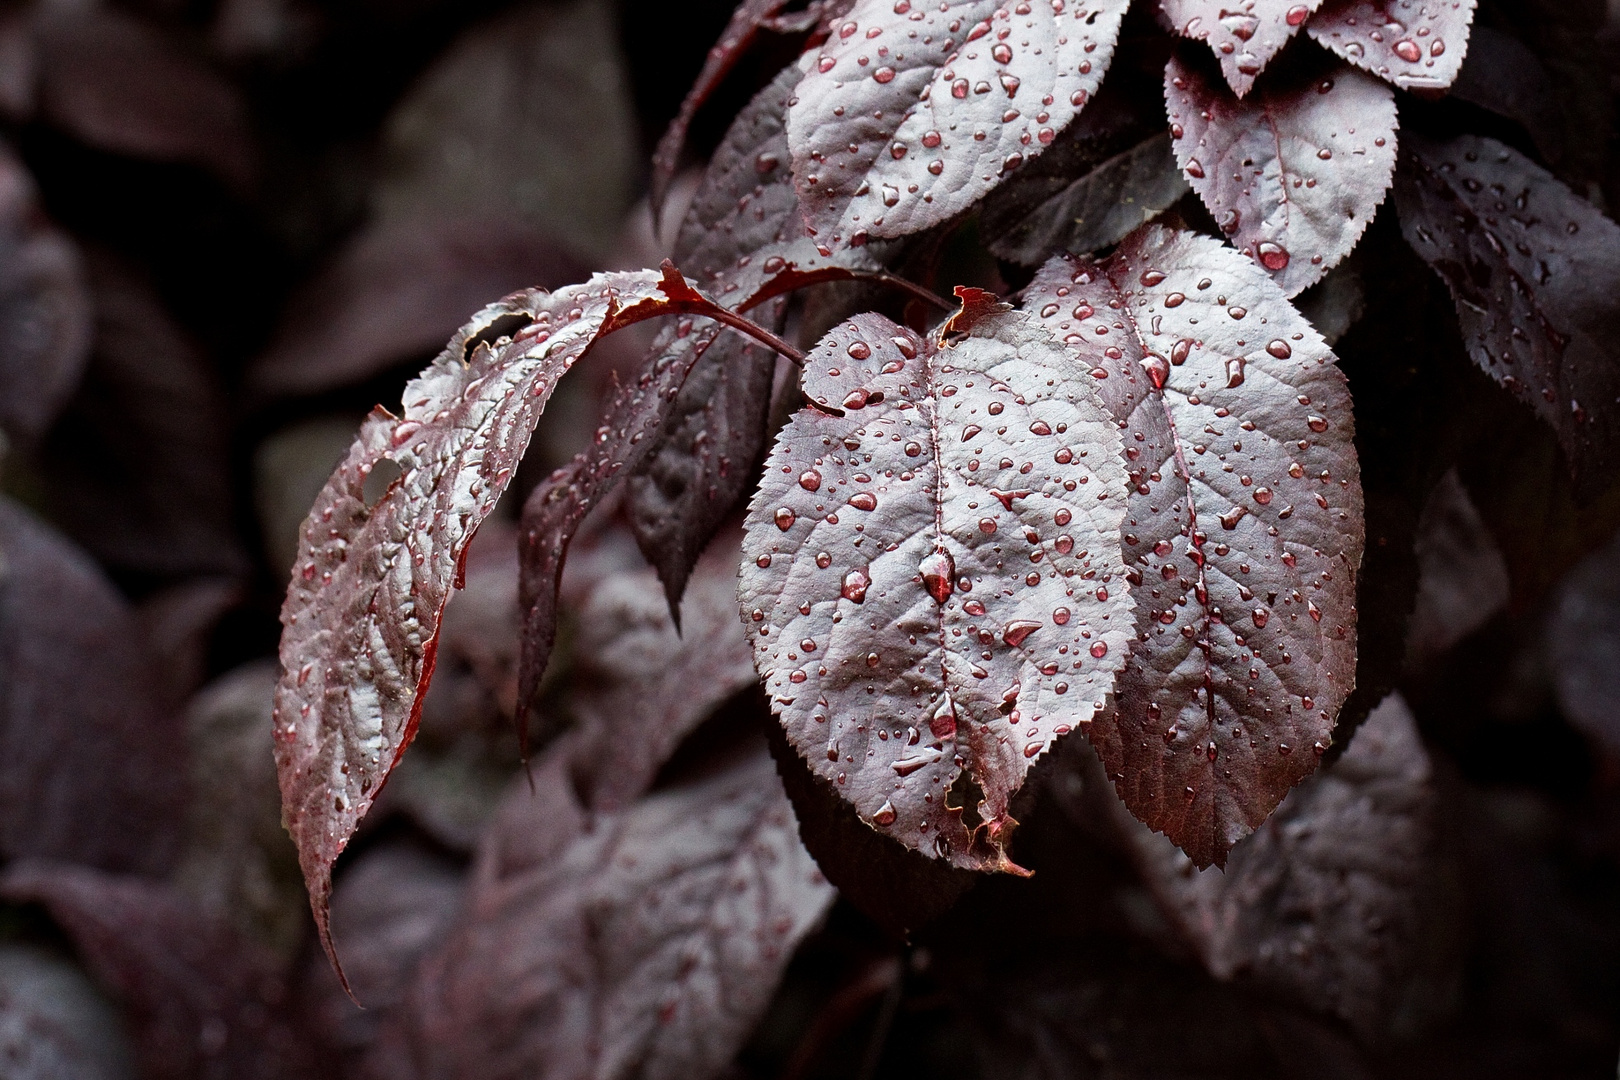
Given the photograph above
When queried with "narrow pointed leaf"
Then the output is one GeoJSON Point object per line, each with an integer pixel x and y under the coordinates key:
{"type": "Point", "coordinates": [885, 126]}
{"type": "Point", "coordinates": [931, 574]}
{"type": "Point", "coordinates": [1328, 903]}
{"type": "Point", "coordinates": [742, 238]}
{"type": "Point", "coordinates": [1415, 44]}
{"type": "Point", "coordinates": [1244, 35]}
{"type": "Point", "coordinates": [736, 39]}
{"type": "Point", "coordinates": [1292, 174]}
{"type": "Point", "coordinates": [1243, 535]}
{"type": "Point", "coordinates": [1534, 271]}
{"type": "Point", "coordinates": [647, 944]}
{"type": "Point", "coordinates": [383, 546]}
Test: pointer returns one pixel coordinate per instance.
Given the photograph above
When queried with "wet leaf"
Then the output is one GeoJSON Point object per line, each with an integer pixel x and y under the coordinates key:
{"type": "Point", "coordinates": [1245, 580]}
{"type": "Point", "coordinates": [361, 634]}
{"type": "Point", "coordinates": [1415, 44]}
{"type": "Point", "coordinates": [1097, 209]}
{"type": "Point", "coordinates": [45, 315]}
{"type": "Point", "coordinates": [1534, 270]}
{"type": "Point", "coordinates": [884, 127]}
{"type": "Point", "coordinates": [88, 757]}
{"type": "Point", "coordinates": [1244, 35]}
{"type": "Point", "coordinates": [1293, 174]}
{"type": "Point", "coordinates": [200, 1001]}
{"type": "Point", "coordinates": [639, 687]}
{"type": "Point", "coordinates": [644, 944]}
{"type": "Point", "coordinates": [742, 236]}
{"type": "Point", "coordinates": [396, 292]}
{"type": "Point", "coordinates": [55, 1023]}
{"type": "Point", "coordinates": [931, 574]}
{"type": "Point", "coordinates": [1328, 902]}
{"type": "Point", "coordinates": [1585, 648]}
{"type": "Point", "coordinates": [751, 17]}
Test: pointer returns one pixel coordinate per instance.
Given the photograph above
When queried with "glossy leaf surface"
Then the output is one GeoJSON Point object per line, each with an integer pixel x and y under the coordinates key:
{"type": "Point", "coordinates": [1415, 44]}
{"type": "Point", "coordinates": [384, 544]}
{"type": "Point", "coordinates": [931, 573]}
{"type": "Point", "coordinates": [1244, 35]}
{"type": "Point", "coordinates": [1243, 535]}
{"type": "Point", "coordinates": [911, 111]}
{"type": "Point", "coordinates": [1534, 271]}
{"type": "Point", "coordinates": [1293, 174]}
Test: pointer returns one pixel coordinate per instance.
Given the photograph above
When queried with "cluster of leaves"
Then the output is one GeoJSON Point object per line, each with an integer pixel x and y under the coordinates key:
{"type": "Point", "coordinates": [1055, 429]}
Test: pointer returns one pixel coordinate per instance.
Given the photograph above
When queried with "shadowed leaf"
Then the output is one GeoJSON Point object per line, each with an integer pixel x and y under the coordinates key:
{"type": "Point", "coordinates": [200, 1001]}
{"type": "Point", "coordinates": [1583, 637]}
{"type": "Point", "coordinates": [1535, 272]}
{"type": "Point", "coordinates": [1415, 44]}
{"type": "Point", "coordinates": [1326, 903]}
{"type": "Point", "coordinates": [361, 632]}
{"type": "Point", "coordinates": [1244, 35]}
{"type": "Point", "coordinates": [884, 126]}
{"type": "Point", "coordinates": [1243, 535]}
{"type": "Point", "coordinates": [92, 767]}
{"type": "Point", "coordinates": [644, 944]}
{"type": "Point", "coordinates": [1293, 174]}
{"type": "Point", "coordinates": [931, 574]}
{"type": "Point", "coordinates": [55, 1024]}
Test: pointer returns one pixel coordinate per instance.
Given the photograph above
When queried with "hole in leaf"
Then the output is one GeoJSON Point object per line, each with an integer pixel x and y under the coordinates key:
{"type": "Point", "coordinates": [503, 328]}
{"type": "Point", "coordinates": [379, 480]}
{"type": "Point", "coordinates": [966, 794]}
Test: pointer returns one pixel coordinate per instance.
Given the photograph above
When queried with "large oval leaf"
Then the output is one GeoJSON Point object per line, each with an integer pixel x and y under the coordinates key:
{"type": "Point", "coordinates": [1292, 174]}
{"type": "Point", "coordinates": [913, 110]}
{"type": "Point", "coordinates": [1244, 530]}
{"type": "Point", "coordinates": [931, 573]}
{"type": "Point", "coordinates": [360, 634]}
{"type": "Point", "coordinates": [1534, 270]}
{"type": "Point", "coordinates": [1415, 44]}
{"type": "Point", "coordinates": [1244, 35]}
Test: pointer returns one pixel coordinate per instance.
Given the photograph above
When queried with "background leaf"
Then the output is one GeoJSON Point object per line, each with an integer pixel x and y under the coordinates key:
{"type": "Point", "coordinates": [1244, 35]}
{"type": "Point", "coordinates": [1415, 44]}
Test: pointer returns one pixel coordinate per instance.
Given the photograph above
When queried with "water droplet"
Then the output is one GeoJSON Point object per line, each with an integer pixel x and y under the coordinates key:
{"type": "Point", "coordinates": [987, 525]}
{"type": "Point", "coordinates": [1151, 278]}
{"type": "Point", "coordinates": [883, 74]}
{"type": "Point", "coordinates": [1040, 427]}
{"type": "Point", "coordinates": [959, 88]}
{"type": "Point", "coordinates": [1297, 14]}
{"type": "Point", "coordinates": [1261, 616]}
{"type": "Point", "coordinates": [856, 582]}
{"type": "Point", "coordinates": [913, 449]}
{"type": "Point", "coordinates": [974, 608]}
{"type": "Point", "coordinates": [885, 814]}
{"type": "Point", "coordinates": [943, 723]}
{"type": "Point", "coordinates": [1060, 616]}
{"type": "Point", "coordinates": [763, 561]}
{"type": "Point", "coordinates": [1195, 170]}
{"type": "Point", "coordinates": [1234, 372]}
{"type": "Point", "coordinates": [1157, 368]}
{"type": "Point", "coordinates": [1272, 256]}
{"type": "Point", "coordinates": [1262, 495]}
{"type": "Point", "coordinates": [1016, 631]}
{"type": "Point", "coordinates": [823, 559]}
{"type": "Point", "coordinates": [1279, 348]}
{"type": "Point", "coordinates": [863, 500]}
{"type": "Point", "coordinates": [1002, 53]}
{"type": "Point", "coordinates": [1180, 351]}
{"type": "Point", "coordinates": [784, 519]}
{"type": "Point", "coordinates": [856, 399]}
{"type": "Point", "coordinates": [826, 64]}
{"type": "Point", "coordinates": [938, 570]}
{"type": "Point", "coordinates": [1099, 649]}
{"type": "Point", "coordinates": [1408, 50]}
{"type": "Point", "coordinates": [1063, 517]}
{"type": "Point", "coordinates": [1316, 423]}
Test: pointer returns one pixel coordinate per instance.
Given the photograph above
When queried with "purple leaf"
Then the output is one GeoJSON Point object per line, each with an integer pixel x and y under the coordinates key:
{"type": "Point", "coordinates": [1534, 270]}
{"type": "Point", "coordinates": [1415, 44]}
{"type": "Point", "coordinates": [745, 241]}
{"type": "Point", "coordinates": [886, 125]}
{"type": "Point", "coordinates": [391, 907]}
{"type": "Point", "coordinates": [639, 687]}
{"type": "Point", "coordinates": [1464, 577]}
{"type": "Point", "coordinates": [931, 573]}
{"type": "Point", "coordinates": [201, 1001]}
{"type": "Point", "coordinates": [736, 39]}
{"type": "Point", "coordinates": [1293, 174]}
{"type": "Point", "coordinates": [1504, 76]}
{"type": "Point", "coordinates": [1585, 648]}
{"type": "Point", "coordinates": [361, 634]}
{"type": "Point", "coordinates": [1329, 902]}
{"type": "Point", "coordinates": [55, 1023]}
{"type": "Point", "coordinates": [1244, 35]}
{"type": "Point", "coordinates": [138, 466]}
{"type": "Point", "coordinates": [642, 944]}
{"type": "Point", "coordinates": [1243, 535]}
{"type": "Point", "coordinates": [396, 293]}
{"type": "Point", "coordinates": [120, 84]}
{"type": "Point", "coordinates": [45, 313]}
{"type": "Point", "coordinates": [91, 766]}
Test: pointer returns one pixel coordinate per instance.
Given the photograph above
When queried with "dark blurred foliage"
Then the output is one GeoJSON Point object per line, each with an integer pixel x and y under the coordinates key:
{"type": "Point", "coordinates": [230, 227]}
